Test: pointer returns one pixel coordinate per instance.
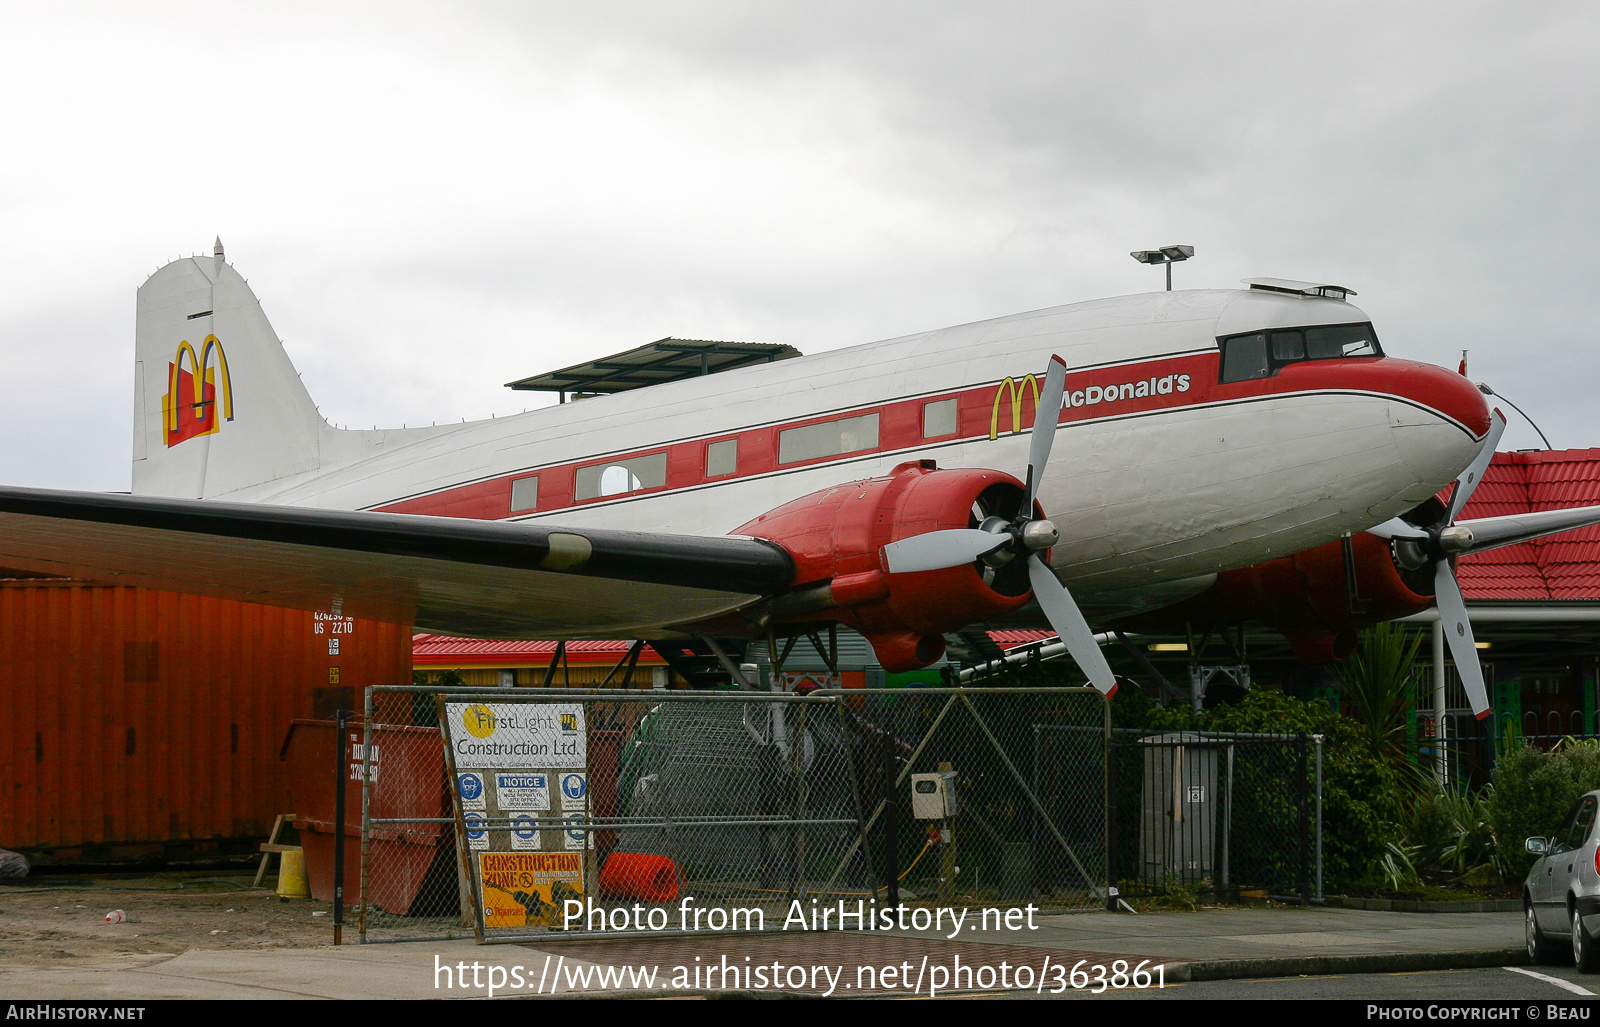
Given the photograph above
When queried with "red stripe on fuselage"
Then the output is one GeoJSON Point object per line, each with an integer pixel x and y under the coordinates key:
{"type": "Point", "coordinates": [1141, 387]}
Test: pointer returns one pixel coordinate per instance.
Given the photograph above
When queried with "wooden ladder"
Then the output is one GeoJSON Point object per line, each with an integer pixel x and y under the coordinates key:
{"type": "Point", "coordinates": [272, 845]}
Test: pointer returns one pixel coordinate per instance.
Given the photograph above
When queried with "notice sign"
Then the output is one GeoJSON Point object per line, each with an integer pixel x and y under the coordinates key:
{"type": "Point", "coordinates": [470, 787]}
{"type": "Point", "coordinates": [526, 889]}
{"type": "Point", "coordinates": [517, 736]}
{"type": "Point", "coordinates": [574, 791]}
{"type": "Point", "coordinates": [477, 830]}
{"type": "Point", "coordinates": [529, 791]}
{"type": "Point", "coordinates": [524, 833]}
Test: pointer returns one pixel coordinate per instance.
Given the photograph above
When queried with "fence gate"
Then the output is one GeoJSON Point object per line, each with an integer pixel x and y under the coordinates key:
{"type": "Point", "coordinates": [513, 814]}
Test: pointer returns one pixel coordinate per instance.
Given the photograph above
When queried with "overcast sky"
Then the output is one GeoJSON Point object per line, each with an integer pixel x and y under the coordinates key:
{"type": "Point", "coordinates": [431, 199]}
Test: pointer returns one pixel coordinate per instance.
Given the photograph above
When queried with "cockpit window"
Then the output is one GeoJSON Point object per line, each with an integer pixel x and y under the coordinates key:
{"type": "Point", "coordinates": [1245, 357]}
{"type": "Point", "coordinates": [1263, 354]}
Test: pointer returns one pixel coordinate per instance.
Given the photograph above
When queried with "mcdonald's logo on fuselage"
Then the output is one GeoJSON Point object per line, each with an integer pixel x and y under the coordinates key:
{"type": "Point", "coordinates": [189, 407]}
{"type": "Point", "coordinates": [1016, 391]}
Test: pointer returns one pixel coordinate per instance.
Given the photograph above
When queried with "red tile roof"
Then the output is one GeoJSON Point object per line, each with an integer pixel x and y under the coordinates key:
{"type": "Point", "coordinates": [1565, 566]}
{"type": "Point", "coordinates": [444, 650]}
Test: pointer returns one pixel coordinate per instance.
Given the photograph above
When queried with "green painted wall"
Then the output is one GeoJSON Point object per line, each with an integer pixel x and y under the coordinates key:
{"type": "Point", "coordinates": [1507, 699]}
{"type": "Point", "coordinates": [928, 677]}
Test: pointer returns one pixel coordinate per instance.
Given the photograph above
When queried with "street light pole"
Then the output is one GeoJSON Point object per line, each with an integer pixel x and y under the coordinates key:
{"type": "Point", "coordinates": [1168, 255]}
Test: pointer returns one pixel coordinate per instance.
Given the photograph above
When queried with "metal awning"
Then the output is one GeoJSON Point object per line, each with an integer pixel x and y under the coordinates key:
{"type": "Point", "coordinates": [665, 360]}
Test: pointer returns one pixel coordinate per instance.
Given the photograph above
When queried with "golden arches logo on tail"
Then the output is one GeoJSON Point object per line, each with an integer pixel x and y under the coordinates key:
{"type": "Point", "coordinates": [190, 406]}
{"type": "Point", "coordinates": [1016, 391]}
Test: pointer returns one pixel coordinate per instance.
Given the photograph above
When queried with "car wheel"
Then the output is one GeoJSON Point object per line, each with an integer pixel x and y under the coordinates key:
{"type": "Point", "coordinates": [1585, 951]}
{"type": "Point", "coordinates": [1538, 948]}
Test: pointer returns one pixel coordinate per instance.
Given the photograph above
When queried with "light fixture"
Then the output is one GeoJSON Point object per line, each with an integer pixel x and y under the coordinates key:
{"type": "Point", "coordinates": [1483, 645]}
{"type": "Point", "coordinates": [1168, 255]}
{"type": "Point", "coordinates": [1169, 647]}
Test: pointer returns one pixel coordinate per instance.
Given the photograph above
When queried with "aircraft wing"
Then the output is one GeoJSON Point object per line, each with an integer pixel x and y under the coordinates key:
{"type": "Point", "coordinates": [486, 579]}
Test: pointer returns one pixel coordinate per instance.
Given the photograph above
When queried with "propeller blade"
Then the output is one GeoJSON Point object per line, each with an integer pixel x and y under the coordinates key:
{"type": "Point", "coordinates": [1458, 632]}
{"type": "Point", "coordinates": [1068, 622]}
{"type": "Point", "coordinates": [936, 550]}
{"type": "Point", "coordinates": [1394, 527]}
{"type": "Point", "coordinates": [1045, 419]}
{"type": "Point", "coordinates": [1509, 529]}
{"type": "Point", "coordinates": [1472, 477]}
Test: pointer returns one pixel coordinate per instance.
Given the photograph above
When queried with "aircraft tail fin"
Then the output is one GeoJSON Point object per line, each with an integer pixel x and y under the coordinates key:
{"type": "Point", "coordinates": [218, 405]}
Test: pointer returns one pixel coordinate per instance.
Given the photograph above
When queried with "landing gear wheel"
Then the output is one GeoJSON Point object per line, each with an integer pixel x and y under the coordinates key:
{"type": "Point", "coordinates": [1539, 950]}
{"type": "Point", "coordinates": [1585, 950]}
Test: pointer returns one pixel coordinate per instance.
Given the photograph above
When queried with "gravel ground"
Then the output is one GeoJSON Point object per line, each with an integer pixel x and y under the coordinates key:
{"type": "Point", "coordinates": [168, 913]}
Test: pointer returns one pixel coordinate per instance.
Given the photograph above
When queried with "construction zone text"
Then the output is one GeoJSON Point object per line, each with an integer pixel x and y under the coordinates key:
{"type": "Point", "coordinates": [840, 916]}
{"type": "Point", "coordinates": [560, 975]}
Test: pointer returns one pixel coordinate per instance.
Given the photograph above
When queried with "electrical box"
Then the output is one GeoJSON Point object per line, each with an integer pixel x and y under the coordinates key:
{"type": "Point", "coordinates": [1183, 822]}
{"type": "Point", "coordinates": [933, 796]}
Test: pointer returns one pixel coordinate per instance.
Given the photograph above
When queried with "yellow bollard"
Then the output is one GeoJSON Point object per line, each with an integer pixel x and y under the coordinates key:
{"type": "Point", "coordinates": [292, 882]}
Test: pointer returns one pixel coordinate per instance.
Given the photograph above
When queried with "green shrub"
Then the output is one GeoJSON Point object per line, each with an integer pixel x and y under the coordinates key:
{"type": "Point", "coordinates": [1533, 790]}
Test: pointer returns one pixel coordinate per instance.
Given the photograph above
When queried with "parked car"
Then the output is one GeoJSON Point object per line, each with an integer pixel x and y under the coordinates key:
{"type": "Point", "coordinates": [1561, 897]}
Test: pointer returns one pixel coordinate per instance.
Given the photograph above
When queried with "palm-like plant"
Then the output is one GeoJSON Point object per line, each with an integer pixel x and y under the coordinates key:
{"type": "Point", "coordinates": [1379, 683]}
{"type": "Point", "coordinates": [1451, 835]}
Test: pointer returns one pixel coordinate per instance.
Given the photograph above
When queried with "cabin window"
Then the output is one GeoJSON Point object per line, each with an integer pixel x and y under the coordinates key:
{"type": "Point", "coordinates": [722, 458]}
{"type": "Point", "coordinates": [524, 494]}
{"type": "Point", "coordinates": [830, 438]}
{"type": "Point", "coordinates": [619, 477]}
{"type": "Point", "coordinates": [939, 418]}
{"type": "Point", "coordinates": [1263, 354]}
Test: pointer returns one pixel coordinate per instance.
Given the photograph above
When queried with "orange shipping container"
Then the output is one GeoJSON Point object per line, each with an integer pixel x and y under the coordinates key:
{"type": "Point", "coordinates": [135, 722]}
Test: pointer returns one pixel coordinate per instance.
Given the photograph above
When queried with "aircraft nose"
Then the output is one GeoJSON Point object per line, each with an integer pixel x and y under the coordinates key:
{"type": "Point", "coordinates": [1438, 420]}
{"type": "Point", "coordinates": [1440, 391]}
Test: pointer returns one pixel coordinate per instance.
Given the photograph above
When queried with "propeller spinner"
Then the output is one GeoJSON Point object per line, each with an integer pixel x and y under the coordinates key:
{"type": "Point", "coordinates": [998, 541]}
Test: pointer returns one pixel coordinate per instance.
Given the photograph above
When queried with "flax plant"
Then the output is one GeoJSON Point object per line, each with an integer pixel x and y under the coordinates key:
{"type": "Point", "coordinates": [1379, 683]}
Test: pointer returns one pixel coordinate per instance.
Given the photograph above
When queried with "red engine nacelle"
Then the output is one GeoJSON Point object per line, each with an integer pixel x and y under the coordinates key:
{"type": "Point", "coordinates": [1318, 599]}
{"type": "Point", "coordinates": [837, 535]}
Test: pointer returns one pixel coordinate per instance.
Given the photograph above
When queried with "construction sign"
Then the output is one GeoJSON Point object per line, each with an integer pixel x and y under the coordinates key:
{"type": "Point", "coordinates": [517, 736]}
{"type": "Point", "coordinates": [527, 889]}
{"type": "Point", "coordinates": [521, 774]}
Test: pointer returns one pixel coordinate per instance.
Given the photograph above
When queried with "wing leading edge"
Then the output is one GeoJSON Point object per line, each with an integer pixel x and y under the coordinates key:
{"type": "Point", "coordinates": [451, 575]}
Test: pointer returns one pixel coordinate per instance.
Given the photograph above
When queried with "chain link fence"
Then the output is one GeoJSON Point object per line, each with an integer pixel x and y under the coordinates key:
{"type": "Point", "coordinates": [1208, 812]}
{"type": "Point", "coordinates": [656, 811]}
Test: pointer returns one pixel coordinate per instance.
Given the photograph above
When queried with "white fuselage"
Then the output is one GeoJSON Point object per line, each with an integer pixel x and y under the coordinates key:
{"type": "Point", "coordinates": [1153, 494]}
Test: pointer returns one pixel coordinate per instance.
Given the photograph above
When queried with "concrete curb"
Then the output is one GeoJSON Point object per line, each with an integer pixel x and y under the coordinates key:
{"type": "Point", "coordinates": [1421, 906]}
{"type": "Point", "coordinates": [1355, 963]}
{"type": "Point", "coordinates": [1177, 973]}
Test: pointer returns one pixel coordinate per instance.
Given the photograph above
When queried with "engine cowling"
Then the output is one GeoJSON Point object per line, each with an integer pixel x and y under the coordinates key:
{"type": "Point", "coordinates": [836, 537]}
{"type": "Point", "coordinates": [1318, 599]}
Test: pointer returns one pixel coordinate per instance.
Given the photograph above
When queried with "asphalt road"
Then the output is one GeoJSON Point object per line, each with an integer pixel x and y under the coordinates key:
{"type": "Point", "coordinates": [1502, 984]}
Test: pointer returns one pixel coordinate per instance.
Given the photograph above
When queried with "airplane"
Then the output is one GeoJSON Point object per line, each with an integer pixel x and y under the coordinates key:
{"type": "Point", "coordinates": [1221, 454]}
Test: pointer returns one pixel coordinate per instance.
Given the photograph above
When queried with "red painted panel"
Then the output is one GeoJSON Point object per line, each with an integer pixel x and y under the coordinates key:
{"type": "Point", "coordinates": [686, 465]}
{"type": "Point", "coordinates": [900, 425]}
{"type": "Point", "coordinates": [123, 705]}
